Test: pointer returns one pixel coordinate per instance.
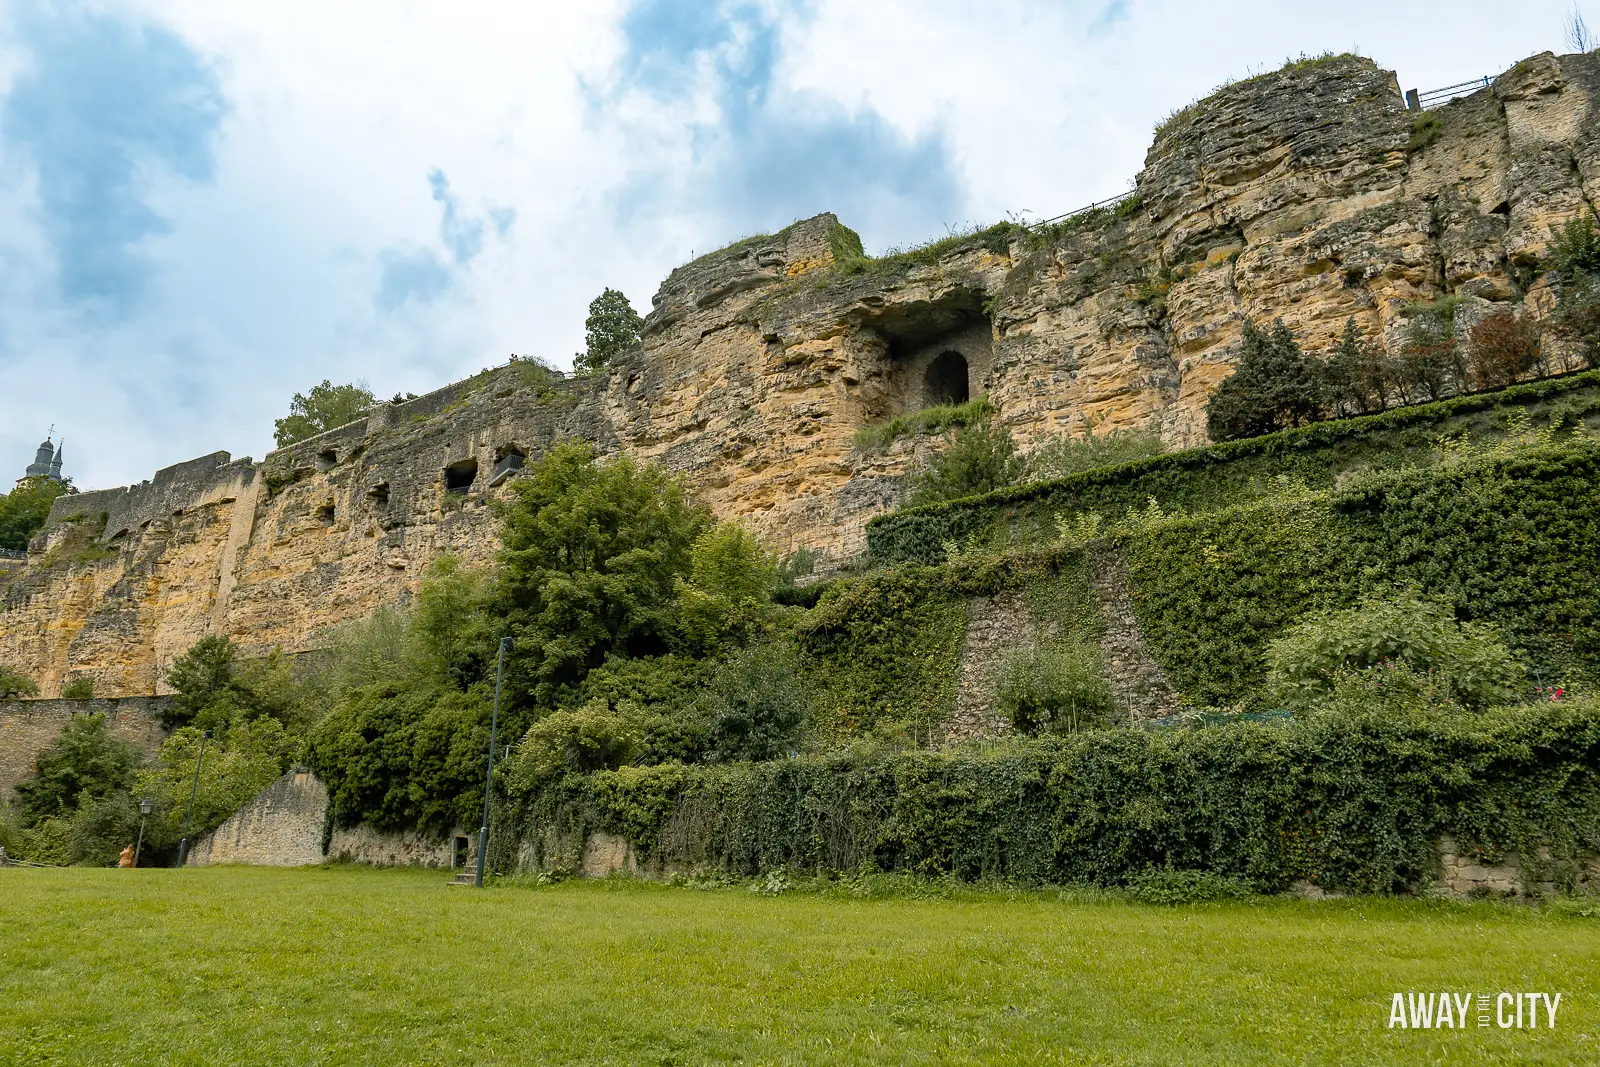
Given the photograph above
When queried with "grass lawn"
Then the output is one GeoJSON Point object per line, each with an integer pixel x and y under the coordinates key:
{"type": "Point", "coordinates": [354, 966]}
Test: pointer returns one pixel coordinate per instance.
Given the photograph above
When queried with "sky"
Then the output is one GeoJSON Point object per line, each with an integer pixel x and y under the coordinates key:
{"type": "Point", "coordinates": [207, 206]}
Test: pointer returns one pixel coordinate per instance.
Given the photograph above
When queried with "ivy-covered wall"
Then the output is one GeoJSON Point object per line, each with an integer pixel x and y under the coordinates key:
{"type": "Point", "coordinates": [1346, 803]}
{"type": "Point", "coordinates": [1203, 479]}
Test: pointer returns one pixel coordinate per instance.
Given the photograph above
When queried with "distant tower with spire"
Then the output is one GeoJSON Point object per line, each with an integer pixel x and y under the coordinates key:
{"type": "Point", "coordinates": [47, 461]}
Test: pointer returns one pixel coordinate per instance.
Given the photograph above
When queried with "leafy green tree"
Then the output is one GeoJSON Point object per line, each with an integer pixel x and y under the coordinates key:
{"type": "Point", "coordinates": [24, 509]}
{"type": "Point", "coordinates": [326, 407]}
{"type": "Point", "coordinates": [1574, 250]}
{"type": "Point", "coordinates": [14, 683]}
{"type": "Point", "coordinates": [1469, 662]}
{"type": "Point", "coordinates": [78, 689]}
{"type": "Point", "coordinates": [204, 679]}
{"type": "Point", "coordinates": [241, 759]}
{"type": "Point", "coordinates": [1574, 256]}
{"type": "Point", "coordinates": [1356, 377]}
{"type": "Point", "coordinates": [1273, 387]}
{"type": "Point", "coordinates": [730, 585]}
{"type": "Point", "coordinates": [85, 764]}
{"type": "Point", "coordinates": [756, 705]}
{"type": "Point", "coordinates": [977, 458]}
{"type": "Point", "coordinates": [592, 555]}
{"type": "Point", "coordinates": [611, 329]}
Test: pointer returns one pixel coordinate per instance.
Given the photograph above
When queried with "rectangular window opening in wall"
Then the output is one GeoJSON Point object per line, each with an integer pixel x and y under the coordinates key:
{"type": "Point", "coordinates": [507, 461]}
{"type": "Point", "coordinates": [379, 494]}
{"type": "Point", "coordinates": [458, 477]}
{"type": "Point", "coordinates": [325, 514]}
{"type": "Point", "coordinates": [459, 850]}
{"type": "Point", "coordinates": [326, 459]}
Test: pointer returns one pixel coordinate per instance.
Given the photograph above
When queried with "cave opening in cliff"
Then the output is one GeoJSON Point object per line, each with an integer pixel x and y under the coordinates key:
{"type": "Point", "coordinates": [947, 381]}
{"type": "Point", "coordinates": [458, 477]}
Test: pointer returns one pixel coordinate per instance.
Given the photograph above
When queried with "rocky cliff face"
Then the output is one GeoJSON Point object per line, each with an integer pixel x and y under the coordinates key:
{"type": "Point", "coordinates": [1310, 195]}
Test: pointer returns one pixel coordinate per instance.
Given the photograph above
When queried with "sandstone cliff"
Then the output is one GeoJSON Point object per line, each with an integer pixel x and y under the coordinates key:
{"type": "Point", "coordinates": [1309, 194]}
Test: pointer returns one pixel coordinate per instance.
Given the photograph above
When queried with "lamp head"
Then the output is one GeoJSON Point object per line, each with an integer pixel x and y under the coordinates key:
{"type": "Point", "coordinates": [144, 806]}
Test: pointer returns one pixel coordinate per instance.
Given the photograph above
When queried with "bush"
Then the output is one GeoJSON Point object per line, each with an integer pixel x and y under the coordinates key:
{"type": "Point", "coordinates": [15, 684]}
{"type": "Point", "coordinates": [1054, 690]}
{"type": "Point", "coordinates": [78, 689]}
{"type": "Point", "coordinates": [586, 739]}
{"type": "Point", "coordinates": [1501, 348]}
{"type": "Point", "coordinates": [1470, 662]}
{"type": "Point", "coordinates": [24, 510]}
{"type": "Point", "coordinates": [935, 418]}
{"type": "Point", "coordinates": [725, 598]}
{"type": "Point", "coordinates": [1061, 456]}
{"type": "Point", "coordinates": [1171, 887]}
{"type": "Point", "coordinates": [976, 458]}
{"type": "Point", "coordinates": [592, 559]}
{"type": "Point", "coordinates": [756, 705]}
{"type": "Point", "coordinates": [1272, 388]}
{"type": "Point", "coordinates": [85, 764]}
{"type": "Point", "coordinates": [245, 757]}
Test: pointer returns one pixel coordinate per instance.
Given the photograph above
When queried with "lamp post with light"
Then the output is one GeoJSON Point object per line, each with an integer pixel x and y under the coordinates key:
{"type": "Point", "coordinates": [494, 723]}
{"type": "Point", "coordinates": [183, 845]}
{"type": "Point", "coordinates": [144, 813]}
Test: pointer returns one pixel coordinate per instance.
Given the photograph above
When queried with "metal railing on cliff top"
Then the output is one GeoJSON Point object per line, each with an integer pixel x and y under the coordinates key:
{"type": "Point", "coordinates": [1415, 101]}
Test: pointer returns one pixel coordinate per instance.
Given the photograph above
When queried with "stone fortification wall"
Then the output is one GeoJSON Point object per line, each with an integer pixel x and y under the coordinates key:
{"type": "Point", "coordinates": [28, 727]}
{"type": "Point", "coordinates": [280, 828]}
{"type": "Point", "coordinates": [1309, 194]}
{"type": "Point", "coordinates": [284, 826]}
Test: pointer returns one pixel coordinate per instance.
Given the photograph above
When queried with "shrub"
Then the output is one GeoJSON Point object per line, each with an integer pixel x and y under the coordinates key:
{"type": "Point", "coordinates": [756, 705]}
{"type": "Point", "coordinates": [1471, 662]}
{"type": "Point", "coordinates": [1163, 885]}
{"type": "Point", "coordinates": [724, 599]}
{"type": "Point", "coordinates": [1357, 377]}
{"type": "Point", "coordinates": [1430, 365]}
{"type": "Point", "coordinates": [1272, 388]}
{"type": "Point", "coordinates": [977, 458]}
{"type": "Point", "coordinates": [936, 418]}
{"type": "Point", "coordinates": [578, 741]}
{"type": "Point", "coordinates": [83, 765]}
{"type": "Point", "coordinates": [593, 553]}
{"type": "Point", "coordinates": [1061, 456]}
{"type": "Point", "coordinates": [1576, 318]}
{"type": "Point", "coordinates": [243, 757]}
{"type": "Point", "coordinates": [325, 408]}
{"type": "Point", "coordinates": [1349, 804]}
{"type": "Point", "coordinates": [78, 689]}
{"type": "Point", "coordinates": [1054, 690]}
{"type": "Point", "coordinates": [1574, 250]}
{"type": "Point", "coordinates": [14, 683]}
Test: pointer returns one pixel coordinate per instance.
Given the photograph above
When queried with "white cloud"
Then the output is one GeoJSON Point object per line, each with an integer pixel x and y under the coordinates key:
{"type": "Point", "coordinates": [264, 282]}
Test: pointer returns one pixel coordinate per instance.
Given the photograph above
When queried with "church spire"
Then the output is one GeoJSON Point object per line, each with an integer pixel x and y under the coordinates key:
{"type": "Point", "coordinates": [55, 464]}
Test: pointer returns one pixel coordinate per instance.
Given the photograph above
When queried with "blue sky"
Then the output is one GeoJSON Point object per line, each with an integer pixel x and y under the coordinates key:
{"type": "Point", "coordinates": [207, 207]}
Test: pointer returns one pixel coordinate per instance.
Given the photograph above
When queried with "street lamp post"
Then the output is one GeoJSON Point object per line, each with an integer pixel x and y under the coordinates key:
{"type": "Point", "coordinates": [144, 813]}
{"type": "Point", "coordinates": [494, 724]}
{"type": "Point", "coordinates": [183, 845]}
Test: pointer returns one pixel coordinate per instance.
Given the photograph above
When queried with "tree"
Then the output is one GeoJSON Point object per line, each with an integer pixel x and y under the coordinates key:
{"type": "Point", "coordinates": [977, 458]}
{"type": "Point", "coordinates": [14, 683]}
{"type": "Point", "coordinates": [326, 407]}
{"type": "Point", "coordinates": [84, 765]}
{"type": "Point", "coordinates": [24, 509]}
{"type": "Point", "coordinates": [1356, 377]}
{"type": "Point", "coordinates": [591, 558]}
{"type": "Point", "coordinates": [238, 763]}
{"type": "Point", "coordinates": [611, 329]}
{"type": "Point", "coordinates": [1273, 388]}
{"type": "Point", "coordinates": [1574, 257]}
{"type": "Point", "coordinates": [1500, 349]}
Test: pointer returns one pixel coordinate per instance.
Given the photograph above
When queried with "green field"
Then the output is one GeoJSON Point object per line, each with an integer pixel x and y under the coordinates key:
{"type": "Point", "coordinates": [354, 966]}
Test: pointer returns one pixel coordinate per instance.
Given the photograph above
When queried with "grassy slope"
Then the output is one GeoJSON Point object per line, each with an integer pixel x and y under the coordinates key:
{"type": "Point", "coordinates": [356, 966]}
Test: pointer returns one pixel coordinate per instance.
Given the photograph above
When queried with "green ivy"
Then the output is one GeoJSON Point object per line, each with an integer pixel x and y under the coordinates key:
{"type": "Point", "coordinates": [1355, 803]}
{"type": "Point", "coordinates": [1203, 479]}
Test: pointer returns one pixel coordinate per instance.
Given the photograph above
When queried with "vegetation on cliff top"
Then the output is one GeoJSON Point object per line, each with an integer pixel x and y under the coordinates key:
{"type": "Point", "coordinates": [611, 328]}
{"type": "Point", "coordinates": [24, 509]}
{"type": "Point", "coordinates": [325, 407]}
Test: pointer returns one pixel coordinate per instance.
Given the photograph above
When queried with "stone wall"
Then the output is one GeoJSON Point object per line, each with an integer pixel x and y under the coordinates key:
{"type": "Point", "coordinates": [280, 828]}
{"type": "Point", "coordinates": [284, 826]}
{"type": "Point", "coordinates": [28, 727]}
{"type": "Point", "coordinates": [1300, 195]}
